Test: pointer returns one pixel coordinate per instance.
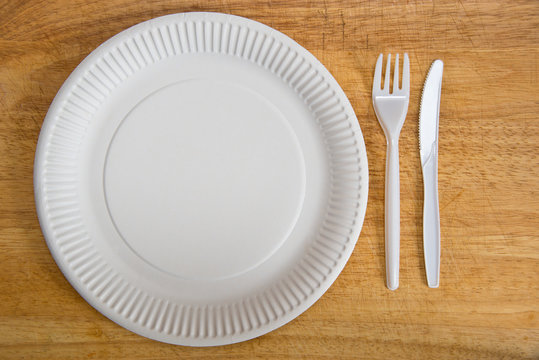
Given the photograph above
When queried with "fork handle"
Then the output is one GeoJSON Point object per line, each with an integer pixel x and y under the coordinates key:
{"type": "Point", "coordinates": [392, 215]}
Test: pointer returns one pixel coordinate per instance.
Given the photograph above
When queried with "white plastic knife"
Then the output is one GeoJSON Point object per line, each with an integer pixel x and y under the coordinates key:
{"type": "Point", "coordinates": [428, 148]}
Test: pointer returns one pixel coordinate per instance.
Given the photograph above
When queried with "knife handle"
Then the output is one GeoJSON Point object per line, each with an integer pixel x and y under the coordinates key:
{"type": "Point", "coordinates": [431, 219]}
{"type": "Point", "coordinates": [392, 215]}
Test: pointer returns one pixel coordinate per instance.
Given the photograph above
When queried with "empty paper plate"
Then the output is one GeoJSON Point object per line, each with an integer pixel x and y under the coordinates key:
{"type": "Point", "coordinates": [201, 179]}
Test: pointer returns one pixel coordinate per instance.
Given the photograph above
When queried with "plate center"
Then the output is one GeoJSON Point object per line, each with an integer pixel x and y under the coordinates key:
{"type": "Point", "coordinates": [204, 179]}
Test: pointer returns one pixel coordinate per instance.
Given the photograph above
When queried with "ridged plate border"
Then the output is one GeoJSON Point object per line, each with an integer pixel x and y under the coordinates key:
{"type": "Point", "coordinates": [56, 185]}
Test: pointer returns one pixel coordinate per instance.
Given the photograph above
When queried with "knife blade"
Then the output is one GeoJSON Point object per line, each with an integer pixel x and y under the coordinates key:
{"type": "Point", "coordinates": [428, 148]}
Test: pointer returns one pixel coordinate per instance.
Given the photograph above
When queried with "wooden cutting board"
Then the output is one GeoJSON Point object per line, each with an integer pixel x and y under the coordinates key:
{"type": "Point", "coordinates": [487, 304]}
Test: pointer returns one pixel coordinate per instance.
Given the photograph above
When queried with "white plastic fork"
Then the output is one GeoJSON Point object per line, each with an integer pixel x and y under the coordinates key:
{"type": "Point", "coordinates": [391, 109]}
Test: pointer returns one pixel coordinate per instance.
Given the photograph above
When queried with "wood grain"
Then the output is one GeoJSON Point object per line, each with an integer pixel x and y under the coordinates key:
{"type": "Point", "coordinates": [487, 305]}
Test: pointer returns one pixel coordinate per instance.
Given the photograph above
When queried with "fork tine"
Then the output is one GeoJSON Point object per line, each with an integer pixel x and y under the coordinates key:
{"type": "Point", "coordinates": [377, 81]}
{"type": "Point", "coordinates": [396, 75]}
{"type": "Point", "coordinates": [388, 71]}
{"type": "Point", "coordinates": [406, 74]}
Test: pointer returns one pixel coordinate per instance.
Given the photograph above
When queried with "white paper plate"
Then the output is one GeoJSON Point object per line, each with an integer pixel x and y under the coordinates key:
{"type": "Point", "coordinates": [201, 179]}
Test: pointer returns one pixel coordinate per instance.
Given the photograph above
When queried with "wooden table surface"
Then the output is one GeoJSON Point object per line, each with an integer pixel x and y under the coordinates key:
{"type": "Point", "coordinates": [487, 304]}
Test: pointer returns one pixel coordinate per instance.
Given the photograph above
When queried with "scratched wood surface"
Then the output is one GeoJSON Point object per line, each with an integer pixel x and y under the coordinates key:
{"type": "Point", "coordinates": [488, 302]}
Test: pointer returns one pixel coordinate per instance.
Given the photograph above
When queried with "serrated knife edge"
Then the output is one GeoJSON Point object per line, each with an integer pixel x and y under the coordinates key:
{"type": "Point", "coordinates": [429, 110]}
